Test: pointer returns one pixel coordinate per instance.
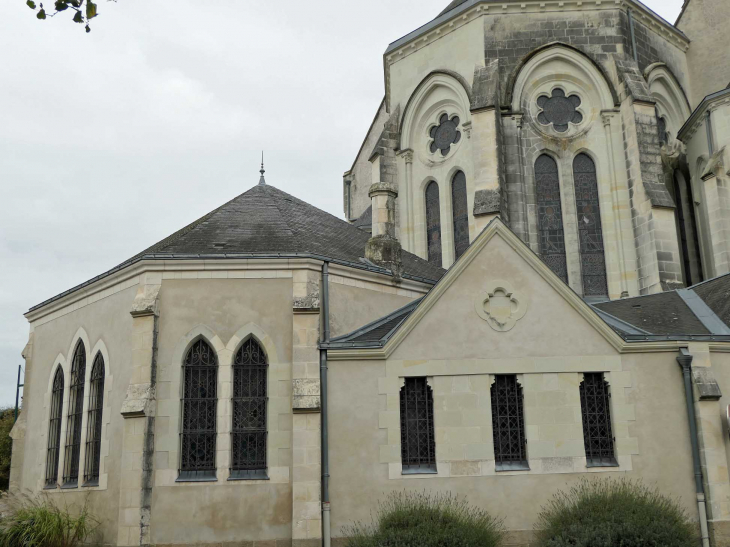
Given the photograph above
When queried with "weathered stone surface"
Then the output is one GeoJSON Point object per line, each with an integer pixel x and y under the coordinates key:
{"type": "Point", "coordinates": [139, 401]}
{"type": "Point", "coordinates": [305, 394]}
{"type": "Point", "coordinates": [385, 251]}
{"type": "Point", "coordinates": [485, 89]}
{"type": "Point", "coordinates": [706, 383]}
{"type": "Point", "coordinates": [486, 202]}
{"type": "Point", "coordinates": [145, 303]}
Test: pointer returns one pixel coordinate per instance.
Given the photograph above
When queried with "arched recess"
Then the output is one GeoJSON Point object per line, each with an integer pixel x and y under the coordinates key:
{"type": "Point", "coordinates": [550, 215]}
{"type": "Point", "coordinates": [433, 223]}
{"type": "Point", "coordinates": [459, 213]}
{"type": "Point", "coordinates": [671, 101]}
{"type": "Point", "coordinates": [562, 68]}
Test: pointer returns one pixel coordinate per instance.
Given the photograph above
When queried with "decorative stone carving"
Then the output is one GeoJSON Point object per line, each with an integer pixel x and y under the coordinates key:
{"type": "Point", "coordinates": [716, 165]}
{"type": "Point", "coordinates": [445, 134]}
{"type": "Point", "coordinates": [305, 395]}
{"type": "Point", "coordinates": [674, 153]}
{"type": "Point", "coordinates": [140, 401]}
{"type": "Point", "coordinates": [559, 110]}
{"type": "Point", "coordinates": [501, 306]}
{"type": "Point", "coordinates": [707, 386]}
{"type": "Point", "coordinates": [145, 303]}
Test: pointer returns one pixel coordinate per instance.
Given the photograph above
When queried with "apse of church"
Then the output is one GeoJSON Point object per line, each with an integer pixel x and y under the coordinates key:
{"type": "Point", "coordinates": [529, 289]}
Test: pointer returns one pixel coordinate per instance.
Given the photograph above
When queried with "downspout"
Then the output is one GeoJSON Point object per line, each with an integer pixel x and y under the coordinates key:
{"type": "Point", "coordinates": [326, 531]}
{"type": "Point", "coordinates": [685, 361]}
{"type": "Point", "coordinates": [710, 134]}
{"type": "Point", "coordinates": [632, 30]}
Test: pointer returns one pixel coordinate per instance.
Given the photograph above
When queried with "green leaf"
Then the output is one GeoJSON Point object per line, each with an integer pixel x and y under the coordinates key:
{"type": "Point", "coordinates": [75, 3]}
{"type": "Point", "coordinates": [88, 29]}
{"type": "Point", "coordinates": [61, 5]}
{"type": "Point", "coordinates": [90, 9]}
{"type": "Point", "coordinates": [78, 18]}
{"type": "Point", "coordinates": [41, 14]}
{"type": "Point", "coordinates": [31, 4]}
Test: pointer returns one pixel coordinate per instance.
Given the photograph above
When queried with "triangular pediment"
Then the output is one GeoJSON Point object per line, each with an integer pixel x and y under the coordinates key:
{"type": "Point", "coordinates": [500, 300]}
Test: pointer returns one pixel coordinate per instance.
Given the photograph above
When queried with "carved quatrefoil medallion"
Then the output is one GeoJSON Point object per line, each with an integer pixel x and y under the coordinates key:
{"type": "Point", "coordinates": [501, 306]}
{"type": "Point", "coordinates": [445, 134]}
{"type": "Point", "coordinates": [559, 110]}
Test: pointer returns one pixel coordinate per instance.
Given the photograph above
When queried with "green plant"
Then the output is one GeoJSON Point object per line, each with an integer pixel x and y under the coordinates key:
{"type": "Point", "coordinates": [41, 523]}
{"type": "Point", "coordinates": [609, 513]}
{"type": "Point", "coordinates": [425, 520]}
{"type": "Point", "coordinates": [7, 420]}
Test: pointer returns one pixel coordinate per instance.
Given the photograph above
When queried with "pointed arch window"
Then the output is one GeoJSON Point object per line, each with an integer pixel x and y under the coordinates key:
{"type": "Point", "coordinates": [595, 402]}
{"type": "Point", "coordinates": [550, 216]}
{"type": "Point", "coordinates": [54, 430]}
{"type": "Point", "coordinates": [592, 254]}
{"type": "Point", "coordinates": [460, 213]}
{"type": "Point", "coordinates": [199, 405]}
{"type": "Point", "coordinates": [250, 398]}
{"type": "Point", "coordinates": [508, 424]}
{"type": "Point", "coordinates": [94, 422]}
{"type": "Point", "coordinates": [418, 440]}
{"type": "Point", "coordinates": [433, 223]}
{"type": "Point", "coordinates": [74, 418]}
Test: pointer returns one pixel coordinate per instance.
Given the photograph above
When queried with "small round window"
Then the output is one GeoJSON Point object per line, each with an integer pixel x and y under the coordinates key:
{"type": "Point", "coordinates": [559, 110]}
{"type": "Point", "coordinates": [445, 134]}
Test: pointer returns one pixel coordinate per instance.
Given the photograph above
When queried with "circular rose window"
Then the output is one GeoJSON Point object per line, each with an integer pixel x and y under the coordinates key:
{"type": "Point", "coordinates": [445, 134]}
{"type": "Point", "coordinates": [559, 110]}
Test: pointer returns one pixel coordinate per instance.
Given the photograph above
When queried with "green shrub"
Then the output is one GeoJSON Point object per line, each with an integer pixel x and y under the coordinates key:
{"type": "Point", "coordinates": [7, 420]}
{"type": "Point", "coordinates": [610, 513]}
{"type": "Point", "coordinates": [34, 523]}
{"type": "Point", "coordinates": [423, 520]}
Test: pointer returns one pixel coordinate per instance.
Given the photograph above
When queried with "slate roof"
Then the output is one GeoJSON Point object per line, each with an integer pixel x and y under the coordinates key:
{"type": "Point", "coordinates": [377, 333]}
{"type": "Point", "coordinates": [453, 4]}
{"type": "Point", "coordinates": [365, 220]}
{"type": "Point", "coordinates": [716, 294]}
{"type": "Point", "coordinates": [663, 313]}
{"type": "Point", "coordinates": [265, 221]}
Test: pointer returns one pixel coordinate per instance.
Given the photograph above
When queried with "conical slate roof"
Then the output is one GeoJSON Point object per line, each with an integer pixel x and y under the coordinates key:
{"type": "Point", "coordinates": [264, 221]}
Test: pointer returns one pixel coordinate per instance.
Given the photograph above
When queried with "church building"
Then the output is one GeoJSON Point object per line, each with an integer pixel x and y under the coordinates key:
{"type": "Point", "coordinates": [531, 287]}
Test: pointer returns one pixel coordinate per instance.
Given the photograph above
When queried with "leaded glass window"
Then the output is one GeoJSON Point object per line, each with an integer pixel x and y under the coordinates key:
{"type": "Point", "coordinates": [508, 424]}
{"type": "Point", "coordinates": [461, 214]}
{"type": "Point", "coordinates": [250, 369]}
{"type": "Point", "coordinates": [75, 415]}
{"type": "Point", "coordinates": [559, 110]}
{"type": "Point", "coordinates": [418, 440]}
{"type": "Point", "coordinates": [595, 403]}
{"type": "Point", "coordinates": [200, 398]}
{"type": "Point", "coordinates": [550, 216]}
{"type": "Point", "coordinates": [445, 134]}
{"type": "Point", "coordinates": [592, 255]}
{"type": "Point", "coordinates": [94, 422]}
{"type": "Point", "coordinates": [433, 223]}
{"type": "Point", "coordinates": [54, 430]}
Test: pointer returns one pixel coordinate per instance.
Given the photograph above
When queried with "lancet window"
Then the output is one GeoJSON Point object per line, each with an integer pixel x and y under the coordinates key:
{"type": "Point", "coordinates": [54, 430]}
{"type": "Point", "coordinates": [94, 422]}
{"type": "Point", "coordinates": [550, 216]}
{"type": "Point", "coordinates": [418, 440]}
{"type": "Point", "coordinates": [74, 418]}
{"type": "Point", "coordinates": [433, 223]}
{"type": "Point", "coordinates": [460, 213]}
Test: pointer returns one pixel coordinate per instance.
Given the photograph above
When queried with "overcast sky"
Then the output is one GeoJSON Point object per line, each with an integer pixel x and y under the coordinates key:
{"type": "Point", "coordinates": [111, 141]}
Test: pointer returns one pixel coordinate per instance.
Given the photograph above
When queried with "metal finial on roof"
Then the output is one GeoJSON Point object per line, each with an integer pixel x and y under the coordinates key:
{"type": "Point", "coordinates": [262, 180]}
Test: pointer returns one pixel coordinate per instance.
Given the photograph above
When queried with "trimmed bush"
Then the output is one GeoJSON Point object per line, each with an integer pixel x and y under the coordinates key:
{"type": "Point", "coordinates": [7, 420]}
{"type": "Point", "coordinates": [34, 523]}
{"type": "Point", "coordinates": [424, 520]}
{"type": "Point", "coordinates": [611, 513]}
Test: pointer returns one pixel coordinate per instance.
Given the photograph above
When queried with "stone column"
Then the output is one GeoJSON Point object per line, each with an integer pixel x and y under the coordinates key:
{"type": "Point", "coordinates": [138, 410]}
{"type": "Point", "coordinates": [408, 223]}
{"type": "Point", "coordinates": [717, 209]}
{"type": "Point", "coordinates": [383, 248]}
{"type": "Point", "coordinates": [306, 472]}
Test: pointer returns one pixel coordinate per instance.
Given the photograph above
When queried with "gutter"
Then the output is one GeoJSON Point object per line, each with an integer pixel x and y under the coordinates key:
{"type": "Point", "coordinates": [697, 114]}
{"type": "Point", "coordinates": [685, 361]}
{"type": "Point", "coordinates": [324, 427]}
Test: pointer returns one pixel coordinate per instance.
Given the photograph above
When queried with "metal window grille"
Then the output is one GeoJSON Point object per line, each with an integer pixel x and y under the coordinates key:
{"type": "Point", "coordinates": [592, 256]}
{"type": "Point", "coordinates": [461, 213]}
{"type": "Point", "coordinates": [94, 423]}
{"type": "Point", "coordinates": [75, 416]}
{"type": "Point", "coordinates": [200, 398]}
{"type": "Point", "coordinates": [508, 423]}
{"type": "Point", "coordinates": [433, 223]}
{"type": "Point", "coordinates": [595, 403]}
{"type": "Point", "coordinates": [54, 430]}
{"type": "Point", "coordinates": [418, 441]}
{"type": "Point", "coordinates": [550, 216]}
{"type": "Point", "coordinates": [250, 368]}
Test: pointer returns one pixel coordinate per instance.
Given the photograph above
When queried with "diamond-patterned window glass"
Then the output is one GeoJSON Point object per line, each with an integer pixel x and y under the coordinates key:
{"type": "Point", "coordinates": [54, 430]}
{"type": "Point", "coordinates": [461, 213]}
{"type": "Point", "coordinates": [200, 397]}
{"type": "Point", "coordinates": [445, 134]}
{"type": "Point", "coordinates": [418, 441]}
{"type": "Point", "coordinates": [433, 223]}
{"type": "Point", "coordinates": [592, 255]}
{"type": "Point", "coordinates": [75, 415]}
{"type": "Point", "coordinates": [508, 423]}
{"type": "Point", "coordinates": [595, 403]}
{"type": "Point", "coordinates": [94, 423]}
{"type": "Point", "coordinates": [250, 369]}
{"type": "Point", "coordinates": [550, 216]}
{"type": "Point", "coordinates": [559, 110]}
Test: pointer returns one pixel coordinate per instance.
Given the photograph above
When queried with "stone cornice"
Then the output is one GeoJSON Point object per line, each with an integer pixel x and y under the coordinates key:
{"type": "Point", "coordinates": [130, 276]}
{"type": "Point", "coordinates": [474, 9]}
{"type": "Point", "coordinates": [695, 121]}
